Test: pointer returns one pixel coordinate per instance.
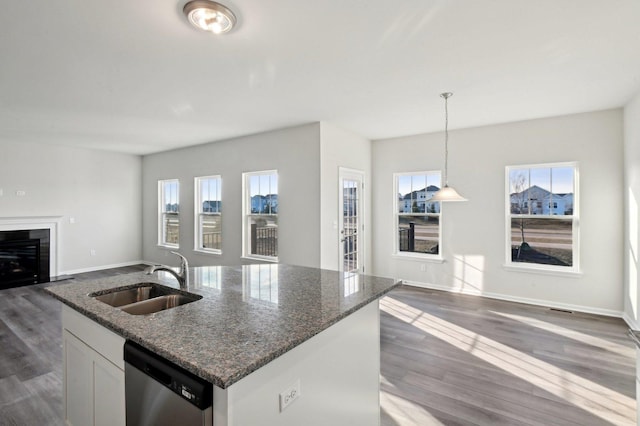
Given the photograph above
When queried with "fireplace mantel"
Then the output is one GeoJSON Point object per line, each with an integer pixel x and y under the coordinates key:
{"type": "Point", "coordinates": [52, 223]}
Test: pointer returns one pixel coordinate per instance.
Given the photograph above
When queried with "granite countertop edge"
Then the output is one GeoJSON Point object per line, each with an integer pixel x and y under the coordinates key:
{"type": "Point", "coordinates": [236, 374]}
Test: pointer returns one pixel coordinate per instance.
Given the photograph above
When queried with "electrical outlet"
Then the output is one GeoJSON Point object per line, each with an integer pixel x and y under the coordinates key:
{"type": "Point", "coordinates": [288, 396]}
{"type": "Point", "coordinates": [423, 267]}
{"type": "Point", "coordinates": [92, 252]}
{"type": "Point", "coordinates": [20, 193]}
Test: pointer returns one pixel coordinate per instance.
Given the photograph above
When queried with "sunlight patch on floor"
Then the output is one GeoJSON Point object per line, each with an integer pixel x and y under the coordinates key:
{"type": "Point", "coordinates": [627, 351]}
{"type": "Point", "coordinates": [404, 412]}
{"type": "Point", "coordinates": [585, 394]}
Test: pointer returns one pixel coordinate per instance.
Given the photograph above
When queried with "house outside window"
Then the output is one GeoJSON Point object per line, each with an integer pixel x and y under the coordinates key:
{"type": "Point", "coordinates": [260, 224]}
{"type": "Point", "coordinates": [208, 208]}
{"type": "Point", "coordinates": [168, 213]}
{"type": "Point", "coordinates": [417, 220]}
{"type": "Point", "coordinates": [542, 219]}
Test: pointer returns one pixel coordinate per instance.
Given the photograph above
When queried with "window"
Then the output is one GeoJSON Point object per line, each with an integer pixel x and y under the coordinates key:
{"type": "Point", "coordinates": [208, 221]}
{"type": "Point", "coordinates": [542, 216]}
{"type": "Point", "coordinates": [417, 222]}
{"type": "Point", "coordinates": [168, 209]}
{"type": "Point", "coordinates": [260, 225]}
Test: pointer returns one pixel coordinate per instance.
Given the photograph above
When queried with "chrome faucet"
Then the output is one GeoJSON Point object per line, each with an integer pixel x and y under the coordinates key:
{"type": "Point", "coordinates": [182, 276]}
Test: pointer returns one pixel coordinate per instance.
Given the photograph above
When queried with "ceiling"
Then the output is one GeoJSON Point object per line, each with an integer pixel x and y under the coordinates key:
{"type": "Point", "coordinates": [135, 77]}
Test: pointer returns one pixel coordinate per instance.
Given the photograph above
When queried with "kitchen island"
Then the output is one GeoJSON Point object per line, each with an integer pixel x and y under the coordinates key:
{"type": "Point", "coordinates": [257, 331]}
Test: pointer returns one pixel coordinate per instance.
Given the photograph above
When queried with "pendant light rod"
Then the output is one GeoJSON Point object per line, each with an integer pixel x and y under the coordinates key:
{"type": "Point", "coordinates": [446, 96]}
{"type": "Point", "coordinates": [446, 193]}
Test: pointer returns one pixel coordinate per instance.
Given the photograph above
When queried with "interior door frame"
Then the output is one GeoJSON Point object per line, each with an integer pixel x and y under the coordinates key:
{"type": "Point", "coordinates": [345, 173]}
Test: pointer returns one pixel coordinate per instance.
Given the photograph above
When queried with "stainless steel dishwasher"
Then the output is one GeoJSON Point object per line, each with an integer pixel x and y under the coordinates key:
{"type": "Point", "coordinates": [160, 393]}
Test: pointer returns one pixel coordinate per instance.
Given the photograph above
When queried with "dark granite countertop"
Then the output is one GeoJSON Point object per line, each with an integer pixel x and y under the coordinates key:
{"type": "Point", "coordinates": [248, 316]}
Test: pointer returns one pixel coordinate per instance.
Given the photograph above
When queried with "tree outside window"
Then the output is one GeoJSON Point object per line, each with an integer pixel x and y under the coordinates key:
{"type": "Point", "coordinates": [542, 218]}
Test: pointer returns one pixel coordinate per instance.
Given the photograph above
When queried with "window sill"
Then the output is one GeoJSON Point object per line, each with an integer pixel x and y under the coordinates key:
{"type": "Point", "coordinates": [260, 258]}
{"type": "Point", "coordinates": [418, 258]}
{"type": "Point", "coordinates": [209, 252]}
{"type": "Point", "coordinates": [543, 271]}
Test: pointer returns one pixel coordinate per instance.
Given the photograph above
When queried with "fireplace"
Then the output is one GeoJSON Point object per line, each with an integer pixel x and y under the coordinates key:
{"type": "Point", "coordinates": [24, 257]}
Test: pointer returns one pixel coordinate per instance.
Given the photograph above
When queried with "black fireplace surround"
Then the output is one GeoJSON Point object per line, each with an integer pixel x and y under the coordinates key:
{"type": "Point", "coordinates": [24, 257]}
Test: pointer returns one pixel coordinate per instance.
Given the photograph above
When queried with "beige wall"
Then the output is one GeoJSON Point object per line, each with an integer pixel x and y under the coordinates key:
{"type": "Point", "coordinates": [474, 231]}
{"type": "Point", "coordinates": [340, 148]}
{"type": "Point", "coordinates": [294, 152]}
{"type": "Point", "coordinates": [100, 190]}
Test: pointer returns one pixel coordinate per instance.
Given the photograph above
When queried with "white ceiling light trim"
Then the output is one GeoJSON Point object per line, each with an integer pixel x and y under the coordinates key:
{"type": "Point", "coordinates": [209, 16]}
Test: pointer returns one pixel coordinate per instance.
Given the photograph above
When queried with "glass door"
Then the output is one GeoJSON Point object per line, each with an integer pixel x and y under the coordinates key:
{"type": "Point", "coordinates": [351, 224]}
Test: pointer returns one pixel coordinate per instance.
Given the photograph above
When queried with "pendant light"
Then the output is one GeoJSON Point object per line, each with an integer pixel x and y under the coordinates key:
{"type": "Point", "coordinates": [446, 193]}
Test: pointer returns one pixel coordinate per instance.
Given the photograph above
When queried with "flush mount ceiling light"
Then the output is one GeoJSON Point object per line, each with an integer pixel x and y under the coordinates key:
{"type": "Point", "coordinates": [446, 193]}
{"type": "Point", "coordinates": [209, 16]}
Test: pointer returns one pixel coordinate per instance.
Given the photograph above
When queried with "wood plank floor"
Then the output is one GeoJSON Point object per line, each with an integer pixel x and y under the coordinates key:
{"type": "Point", "coordinates": [450, 359]}
{"type": "Point", "coordinates": [446, 359]}
{"type": "Point", "coordinates": [31, 353]}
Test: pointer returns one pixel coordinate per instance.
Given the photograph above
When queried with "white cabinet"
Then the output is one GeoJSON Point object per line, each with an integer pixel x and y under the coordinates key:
{"type": "Point", "coordinates": [93, 373]}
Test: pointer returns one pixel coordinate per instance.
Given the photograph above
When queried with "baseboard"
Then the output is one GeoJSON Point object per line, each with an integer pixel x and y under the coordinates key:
{"type": "Point", "coordinates": [633, 324]}
{"type": "Point", "coordinates": [538, 302]}
{"type": "Point", "coordinates": [103, 267]}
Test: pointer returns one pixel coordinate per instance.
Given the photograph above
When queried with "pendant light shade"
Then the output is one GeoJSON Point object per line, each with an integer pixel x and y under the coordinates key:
{"type": "Point", "coordinates": [446, 193]}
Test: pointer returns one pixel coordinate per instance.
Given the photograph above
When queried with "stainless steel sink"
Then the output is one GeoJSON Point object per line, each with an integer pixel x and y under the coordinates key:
{"type": "Point", "coordinates": [145, 298]}
{"type": "Point", "coordinates": [131, 295]}
{"type": "Point", "coordinates": [158, 304]}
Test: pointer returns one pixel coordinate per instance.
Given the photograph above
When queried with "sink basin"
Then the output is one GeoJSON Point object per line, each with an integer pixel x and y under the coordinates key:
{"type": "Point", "coordinates": [159, 303]}
{"type": "Point", "coordinates": [131, 295]}
{"type": "Point", "coordinates": [145, 298]}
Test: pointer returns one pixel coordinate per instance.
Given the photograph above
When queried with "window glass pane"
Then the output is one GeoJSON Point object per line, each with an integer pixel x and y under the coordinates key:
{"type": "Point", "coordinates": [262, 222]}
{"type": "Point", "coordinates": [541, 178]}
{"type": "Point", "coordinates": [264, 235]}
{"type": "Point", "coordinates": [404, 187]}
{"type": "Point", "coordinates": [418, 221]}
{"type": "Point", "coordinates": [561, 202]}
{"type": "Point", "coordinates": [254, 185]}
{"type": "Point", "coordinates": [211, 232]}
{"type": "Point", "coordinates": [171, 228]}
{"type": "Point", "coordinates": [210, 201]}
{"type": "Point", "coordinates": [419, 234]}
{"type": "Point", "coordinates": [543, 241]}
{"type": "Point", "coordinates": [169, 222]}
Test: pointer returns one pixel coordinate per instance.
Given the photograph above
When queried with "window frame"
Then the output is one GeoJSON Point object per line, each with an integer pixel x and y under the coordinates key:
{"type": "Point", "coordinates": [396, 219]}
{"type": "Point", "coordinates": [574, 269]}
{"type": "Point", "coordinates": [162, 213]}
{"type": "Point", "coordinates": [199, 214]}
{"type": "Point", "coordinates": [247, 215]}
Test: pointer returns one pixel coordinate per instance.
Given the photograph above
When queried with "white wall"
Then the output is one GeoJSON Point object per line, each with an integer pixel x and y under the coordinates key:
{"type": "Point", "coordinates": [100, 190]}
{"type": "Point", "coordinates": [340, 148]}
{"type": "Point", "coordinates": [632, 204]}
{"type": "Point", "coordinates": [294, 152]}
{"type": "Point", "coordinates": [474, 231]}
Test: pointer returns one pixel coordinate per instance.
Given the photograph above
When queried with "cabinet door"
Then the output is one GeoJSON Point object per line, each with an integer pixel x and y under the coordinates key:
{"type": "Point", "coordinates": [78, 386]}
{"type": "Point", "coordinates": [108, 387]}
{"type": "Point", "coordinates": [94, 387]}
